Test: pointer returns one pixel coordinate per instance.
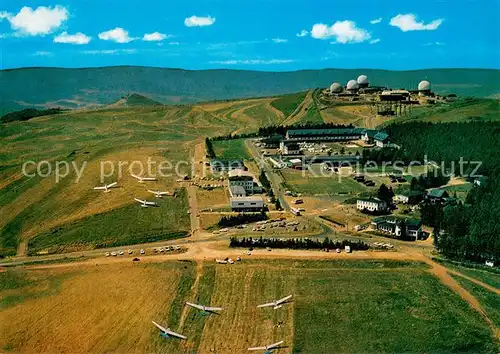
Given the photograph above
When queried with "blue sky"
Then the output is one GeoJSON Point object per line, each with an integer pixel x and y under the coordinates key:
{"type": "Point", "coordinates": [259, 35]}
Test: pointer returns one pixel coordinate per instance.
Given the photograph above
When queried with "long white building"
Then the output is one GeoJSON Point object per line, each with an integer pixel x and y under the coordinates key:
{"type": "Point", "coordinates": [371, 204]}
{"type": "Point", "coordinates": [253, 203]}
{"type": "Point", "coordinates": [244, 179]}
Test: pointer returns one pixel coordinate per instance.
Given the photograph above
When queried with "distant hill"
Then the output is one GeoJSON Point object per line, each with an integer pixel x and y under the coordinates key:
{"type": "Point", "coordinates": [73, 88]}
{"type": "Point", "coordinates": [134, 100]}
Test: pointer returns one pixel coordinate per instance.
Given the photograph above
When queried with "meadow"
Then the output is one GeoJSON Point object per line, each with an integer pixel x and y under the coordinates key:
{"type": "Point", "coordinates": [231, 149]}
{"type": "Point", "coordinates": [308, 184]}
{"type": "Point", "coordinates": [488, 300]}
{"type": "Point", "coordinates": [338, 306]}
{"type": "Point", "coordinates": [289, 103]}
{"type": "Point", "coordinates": [462, 110]}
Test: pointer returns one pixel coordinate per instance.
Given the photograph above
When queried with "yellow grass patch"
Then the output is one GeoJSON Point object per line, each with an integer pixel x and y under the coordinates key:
{"type": "Point", "coordinates": [239, 290]}
{"type": "Point", "coordinates": [100, 309]}
{"type": "Point", "coordinates": [215, 198]}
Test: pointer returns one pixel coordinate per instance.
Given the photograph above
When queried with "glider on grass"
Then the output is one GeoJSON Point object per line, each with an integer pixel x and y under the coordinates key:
{"type": "Point", "coordinates": [143, 179]}
{"type": "Point", "coordinates": [167, 333]}
{"type": "Point", "coordinates": [277, 303]}
{"type": "Point", "coordinates": [158, 194]}
{"type": "Point", "coordinates": [205, 309]}
{"type": "Point", "coordinates": [106, 187]}
{"type": "Point", "coordinates": [268, 348]}
{"type": "Point", "coordinates": [144, 203]}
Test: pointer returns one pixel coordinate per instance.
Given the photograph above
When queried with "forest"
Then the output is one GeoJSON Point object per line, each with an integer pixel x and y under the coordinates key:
{"type": "Point", "coordinates": [469, 231]}
{"type": "Point", "coordinates": [448, 143]}
{"type": "Point", "coordinates": [463, 231]}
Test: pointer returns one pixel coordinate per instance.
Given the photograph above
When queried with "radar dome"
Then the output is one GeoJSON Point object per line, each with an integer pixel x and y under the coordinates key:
{"type": "Point", "coordinates": [424, 85]}
{"type": "Point", "coordinates": [336, 88]}
{"type": "Point", "coordinates": [352, 85]}
{"type": "Point", "coordinates": [363, 80]}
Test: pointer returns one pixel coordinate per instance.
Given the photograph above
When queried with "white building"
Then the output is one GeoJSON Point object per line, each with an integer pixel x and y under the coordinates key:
{"type": "Point", "coordinates": [237, 191]}
{"type": "Point", "coordinates": [372, 204]}
{"type": "Point", "coordinates": [400, 228]}
{"type": "Point", "coordinates": [245, 179]}
{"type": "Point", "coordinates": [253, 203]}
{"type": "Point", "coordinates": [241, 178]}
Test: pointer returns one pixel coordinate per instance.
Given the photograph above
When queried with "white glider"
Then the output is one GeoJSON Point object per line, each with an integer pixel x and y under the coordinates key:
{"type": "Point", "coordinates": [106, 187]}
{"type": "Point", "coordinates": [204, 308]}
{"type": "Point", "coordinates": [166, 332]}
{"type": "Point", "coordinates": [278, 303]}
{"type": "Point", "coordinates": [158, 194]}
{"type": "Point", "coordinates": [144, 203]}
{"type": "Point", "coordinates": [267, 348]}
{"type": "Point", "coordinates": [143, 179]}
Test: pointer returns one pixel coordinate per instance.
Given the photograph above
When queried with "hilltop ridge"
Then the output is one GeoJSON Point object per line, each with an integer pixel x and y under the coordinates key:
{"type": "Point", "coordinates": [75, 88]}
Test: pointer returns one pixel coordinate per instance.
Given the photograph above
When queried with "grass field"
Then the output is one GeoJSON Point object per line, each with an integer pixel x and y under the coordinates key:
{"type": "Point", "coordinates": [489, 277]}
{"type": "Point", "coordinates": [306, 183]}
{"type": "Point", "coordinates": [231, 149]}
{"type": "Point", "coordinates": [463, 110]}
{"type": "Point", "coordinates": [289, 103]}
{"type": "Point", "coordinates": [338, 306]}
{"type": "Point", "coordinates": [489, 300]}
{"type": "Point", "coordinates": [136, 225]}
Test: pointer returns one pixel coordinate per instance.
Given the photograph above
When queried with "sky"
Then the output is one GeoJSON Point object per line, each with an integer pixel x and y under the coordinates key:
{"type": "Point", "coordinates": [272, 35]}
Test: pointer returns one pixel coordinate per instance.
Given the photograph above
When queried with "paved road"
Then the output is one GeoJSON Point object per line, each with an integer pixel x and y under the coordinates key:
{"type": "Point", "coordinates": [193, 208]}
{"type": "Point", "coordinates": [274, 179]}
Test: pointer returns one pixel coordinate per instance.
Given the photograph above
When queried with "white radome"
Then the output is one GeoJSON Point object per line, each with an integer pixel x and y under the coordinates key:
{"type": "Point", "coordinates": [424, 85]}
{"type": "Point", "coordinates": [336, 88]}
{"type": "Point", "coordinates": [352, 85]}
{"type": "Point", "coordinates": [362, 79]}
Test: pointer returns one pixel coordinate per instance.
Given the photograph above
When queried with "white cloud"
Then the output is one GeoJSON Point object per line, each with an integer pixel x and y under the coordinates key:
{"type": "Point", "coordinates": [375, 41]}
{"type": "Point", "coordinates": [377, 20]}
{"type": "Point", "coordinates": [194, 21]}
{"type": "Point", "coordinates": [302, 33]}
{"type": "Point", "coordinates": [408, 22]}
{"type": "Point", "coordinates": [434, 43]}
{"type": "Point", "coordinates": [118, 35]}
{"type": "Point", "coordinates": [279, 40]}
{"type": "Point", "coordinates": [77, 38]}
{"type": "Point", "coordinates": [155, 36]}
{"type": "Point", "coordinates": [43, 54]}
{"type": "Point", "coordinates": [342, 31]}
{"type": "Point", "coordinates": [39, 22]}
{"type": "Point", "coordinates": [110, 51]}
{"type": "Point", "coordinates": [173, 43]}
{"type": "Point", "coordinates": [253, 62]}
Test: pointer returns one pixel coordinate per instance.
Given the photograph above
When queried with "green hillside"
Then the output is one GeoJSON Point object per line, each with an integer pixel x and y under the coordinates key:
{"type": "Point", "coordinates": [73, 88]}
{"type": "Point", "coordinates": [462, 110]}
{"type": "Point", "coordinates": [289, 103]}
{"type": "Point", "coordinates": [135, 99]}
